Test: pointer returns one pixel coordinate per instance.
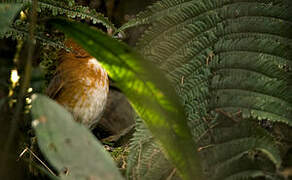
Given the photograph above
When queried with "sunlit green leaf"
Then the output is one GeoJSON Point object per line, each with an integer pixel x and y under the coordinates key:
{"type": "Point", "coordinates": [150, 93]}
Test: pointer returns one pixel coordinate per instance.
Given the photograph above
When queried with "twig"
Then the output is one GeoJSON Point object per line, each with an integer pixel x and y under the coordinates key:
{"type": "Point", "coordinates": [171, 174]}
{"type": "Point", "coordinates": [24, 85]}
{"type": "Point", "coordinates": [34, 155]}
{"type": "Point", "coordinates": [227, 114]}
{"type": "Point", "coordinates": [207, 130]}
{"type": "Point", "coordinates": [205, 147]}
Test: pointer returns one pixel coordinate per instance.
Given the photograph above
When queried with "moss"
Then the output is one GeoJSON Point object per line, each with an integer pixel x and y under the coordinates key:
{"type": "Point", "coordinates": [49, 61]}
{"type": "Point", "coordinates": [120, 156]}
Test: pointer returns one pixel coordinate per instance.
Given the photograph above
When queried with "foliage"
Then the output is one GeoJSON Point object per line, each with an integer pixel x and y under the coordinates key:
{"type": "Point", "coordinates": [50, 8]}
{"type": "Point", "coordinates": [230, 62]}
{"type": "Point", "coordinates": [7, 13]}
{"type": "Point", "coordinates": [146, 88]}
{"type": "Point", "coordinates": [70, 148]}
{"type": "Point", "coordinates": [243, 150]}
{"type": "Point", "coordinates": [146, 159]}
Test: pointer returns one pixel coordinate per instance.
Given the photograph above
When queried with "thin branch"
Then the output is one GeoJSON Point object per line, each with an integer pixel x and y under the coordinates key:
{"type": "Point", "coordinates": [24, 85]}
{"type": "Point", "coordinates": [34, 155]}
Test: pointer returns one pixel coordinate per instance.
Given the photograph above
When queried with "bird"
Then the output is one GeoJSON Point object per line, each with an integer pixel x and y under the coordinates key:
{"type": "Point", "coordinates": [80, 84]}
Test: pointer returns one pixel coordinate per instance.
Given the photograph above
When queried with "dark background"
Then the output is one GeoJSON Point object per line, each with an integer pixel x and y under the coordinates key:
{"type": "Point", "coordinates": [117, 118]}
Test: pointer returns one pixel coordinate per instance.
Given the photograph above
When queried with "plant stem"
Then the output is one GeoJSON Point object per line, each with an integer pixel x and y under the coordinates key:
{"type": "Point", "coordinates": [25, 83]}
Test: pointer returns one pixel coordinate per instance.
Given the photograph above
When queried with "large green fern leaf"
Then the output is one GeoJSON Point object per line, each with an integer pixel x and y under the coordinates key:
{"type": "Point", "coordinates": [230, 58]}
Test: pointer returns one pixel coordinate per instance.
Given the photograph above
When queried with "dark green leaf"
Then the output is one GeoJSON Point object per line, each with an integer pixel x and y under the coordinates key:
{"type": "Point", "coordinates": [228, 59]}
{"type": "Point", "coordinates": [70, 147]}
{"type": "Point", "coordinates": [7, 13]}
{"type": "Point", "coordinates": [148, 90]}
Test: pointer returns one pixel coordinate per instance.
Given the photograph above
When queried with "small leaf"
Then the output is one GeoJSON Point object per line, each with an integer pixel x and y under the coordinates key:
{"type": "Point", "coordinates": [69, 147]}
{"type": "Point", "coordinates": [7, 13]}
{"type": "Point", "coordinates": [152, 96]}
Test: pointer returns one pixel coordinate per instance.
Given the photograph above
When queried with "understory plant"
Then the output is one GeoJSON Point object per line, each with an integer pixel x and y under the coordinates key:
{"type": "Point", "coordinates": [210, 81]}
{"type": "Point", "coordinates": [230, 62]}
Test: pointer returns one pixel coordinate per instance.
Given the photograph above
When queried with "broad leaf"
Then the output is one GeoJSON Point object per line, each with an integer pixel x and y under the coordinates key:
{"type": "Point", "coordinates": [70, 147]}
{"type": "Point", "coordinates": [148, 90]}
{"type": "Point", "coordinates": [229, 59]}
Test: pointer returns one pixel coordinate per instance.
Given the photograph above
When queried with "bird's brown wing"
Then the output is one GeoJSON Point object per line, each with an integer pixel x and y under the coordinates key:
{"type": "Point", "coordinates": [55, 86]}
